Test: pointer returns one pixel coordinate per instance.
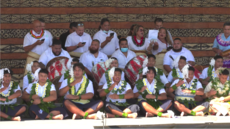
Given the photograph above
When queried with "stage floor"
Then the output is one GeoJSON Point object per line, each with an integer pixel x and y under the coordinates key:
{"type": "Point", "coordinates": [141, 122]}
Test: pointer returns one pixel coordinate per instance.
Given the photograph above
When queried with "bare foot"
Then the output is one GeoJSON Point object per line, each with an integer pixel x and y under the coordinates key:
{"type": "Point", "coordinates": [58, 117]}
{"type": "Point", "coordinates": [149, 114]}
{"type": "Point", "coordinates": [75, 116]}
{"type": "Point", "coordinates": [182, 114]}
{"type": "Point", "coordinates": [108, 115]}
{"type": "Point", "coordinates": [18, 118]}
{"type": "Point", "coordinates": [36, 117]}
{"type": "Point", "coordinates": [132, 115]}
{"type": "Point", "coordinates": [199, 113]}
{"type": "Point", "coordinates": [167, 115]}
{"type": "Point", "coordinates": [92, 116]}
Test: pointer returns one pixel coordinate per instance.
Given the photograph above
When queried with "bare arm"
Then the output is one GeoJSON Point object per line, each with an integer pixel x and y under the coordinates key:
{"type": "Point", "coordinates": [52, 97]}
{"type": "Point", "coordinates": [30, 47]}
{"type": "Point", "coordinates": [129, 94]}
{"type": "Point", "coordinates": [15, 95]}
{"type": "Point", "coordinates": [167, 68]}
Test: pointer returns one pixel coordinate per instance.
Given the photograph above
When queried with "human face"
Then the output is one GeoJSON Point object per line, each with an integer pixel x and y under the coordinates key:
{"type": "Point", "coordinates": [94, 47]}
{"type": "Point", "coordinates": [226, 31]}
{"type": "Point", "coordinates": [123, 44]}
{"type": "Point", "coordinates": [190, 75]}
{"type": "Point", "coordinates": [35, 66]}
{"type": "Point", "coordinates": [223, 78]}
{"type": "Point", "coordinates": [43, 25]}
{"type": "Point", "coordinates": [7, 78]}
{"type": "Point", "coordinates": [80, 30]}
{"type": "Point", "coordinates": [37, 27]}
{"type": "Point", "coordinates": [162, 34]}
{"type": "Point", "coordinates": [219, 63]}
{"type": "Point", "coordinates": [56, 50]}
{"type": "Point", "coordinates": [42, 77]}
{"type": "Point", "coordinates": [181, 64]}
{"type": "Point", "coordinates": [78, 72]}
{"type": "Point", "coordinates": [158, 25]}
{"type": "Point", "coordinates": [151, 62]}
{"type": "Point", "coordinates": [114, 64]}
{"type": "Point", "coordinates": [177, 45]}
{"type": "Point", "coordinates": [150, 75]}
{"type": "Point", "coordinates": [105, 26]}
{"type": "Point", "coordinates": [140, 32]}
{"type": "Point", "coordinates": [117, 76]}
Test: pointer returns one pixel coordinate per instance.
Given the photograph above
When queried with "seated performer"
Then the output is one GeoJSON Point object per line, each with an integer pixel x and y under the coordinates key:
{"type": "Point", "coordinates": [78, 92]}
{"type": "Point", "coordinates": [123, 55]}
{"type": "Point", "coordinates": [42, 94]}
{"type": "Point", "coordinates": [53, 52]}
{"type": "Point", "coordinates": [29, 78]}
{"type": "Point", "coordinates": [185, 91]}
{"type": "Point", "coordinates": [208, 74]}
{"type": "Point", "coordinates": [151, 95]}
{"type": "Point", "coordinates": [217, 91]}
{"type": "Point", "coordinates": [117, 92]}
{"type": "Point", "coordinates": [9, 92]}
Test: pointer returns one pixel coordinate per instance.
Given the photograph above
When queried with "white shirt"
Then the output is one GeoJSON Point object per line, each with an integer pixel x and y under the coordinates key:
{"type": "Point", "coordinates": [88, 59]}
{"type": "Point", "coordinates": [170, 77]}
{"type": "Point", "coordinates": [184, 52]}
{"type": "Point", "coordinates": [161, 47]}
{"type": "Point", "coordinates": [73, 39]}
{"type": "Point", "coordinates": [39, 49]}
{"type": "Point", "coordinates": [63, 76]}
{"type": "Point", "coordinates": [150, 86]}
{"type": "Point", "coordinates": [111, 47]}
{"type": "Point", "coordinates": [178, 91]}
{"type": "Point", "coordinates": [48, 55]}
{"type": "Point", "coordinates": [209, 87]}
{"type": "Point", "coordinates": [13, 101]}
{"type": "Point", "coordinates": [204, 74]}
{"type": "Point", "coordinates": [89, 88]}
{"type": "Point", "coordinates": [122, 59]}
{"type": "Point", "coordinates": [41, 89]}
{"type": "Point", "coordinates": [132, 46]}
{"type": "Point", "coordinates": [103, 78]}
{"type": "Point", "coordinates": [26, 81]}
{"type": "Point", "coordinates": [108, 99]}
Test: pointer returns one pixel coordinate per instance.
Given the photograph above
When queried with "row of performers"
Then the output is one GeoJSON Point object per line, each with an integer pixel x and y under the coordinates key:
{"type": "Point", "coordinates": [151, 95]}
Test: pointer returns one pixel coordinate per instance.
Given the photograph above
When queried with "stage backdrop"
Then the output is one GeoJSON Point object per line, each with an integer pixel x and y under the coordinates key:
{"type": "Point", "coordinates": [196, 22]}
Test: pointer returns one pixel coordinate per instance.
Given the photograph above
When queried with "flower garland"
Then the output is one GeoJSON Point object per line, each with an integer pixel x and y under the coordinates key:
{"type": "Point", "coordinates": [44, 92]}
{"type": "Point", "coordinates": [221, 41]}
{"type": "Point", "coordinates": [192, 87]}
{"type": "Point", "coordinates": [175, 73]}
{"type": "Point", "coordinates": [220, 92]}
{"type": "Point", "coordinates": [210, 72]}
{"type": "Point", "coordinates": [134, 38]}
{"type": "Point", "coordinates": [37, 37]}
{"type": "Point", "coordinates": [44, 105]}
{"type": "Point", "coordinates": [30, 77]}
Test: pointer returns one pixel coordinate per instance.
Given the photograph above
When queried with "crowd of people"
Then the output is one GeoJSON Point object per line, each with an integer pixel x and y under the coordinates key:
{"type": "Point", "coordinates": [176, 89]}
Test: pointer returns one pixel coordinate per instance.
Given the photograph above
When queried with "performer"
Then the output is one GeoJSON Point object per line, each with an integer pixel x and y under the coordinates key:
{"type": "Point", "coordinates": [221, 44]}
{"type": "Point", "coordinates": [42, 94]}
{"type": "Point", "coordinates": [78, 92]}
{"type": "Point", "coordinates": [217, 91]}
{"type": "Point", "coordinates": [151, 95]}
{"type": "Point", "coordinates": [117, 92]}
{"type": "Point", "coordinates": [9, 92]}
{"type": "Point", "coordinates": [185, 91]}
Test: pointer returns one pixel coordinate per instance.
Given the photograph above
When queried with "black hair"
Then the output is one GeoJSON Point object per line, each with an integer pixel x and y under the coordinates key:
{"type": "Point", "coordinates": [151, 56]}
{"type": "Point", "coordinates": [191, 68]}
{"type": "Point", "coordinates": [72, 24]}
{"type": "Point", "coordinates": [118, 70]}
{"type": "Point", "coordinates": [158, 20]}
{"type": "Point", "coordinates": [75, 59]}
{"type": "Point", "coordinates": [218, 57]}
{"type": "Point", "coordinates": [56, 42]}
{"type": "Point", "coordinates": [35, 61]}
{"type": "Point", "coordinates": [103, 20]}
{"type": "Point", "coordinates": [151, 69]}
{"type": "Point", "coordinates": [96, 40]}
{"type": "Point", "coordinates": [123, 39]}
{"type": "Point", "coordinates": [225, 72]}
{"type": "Point", "coordinates": [41, 20]}
{"type": "Point", "coordinates": [6, 72]}
{"type": "Point", "coordinates": [183, 58]}
{"type": "Point", "coordinates": [44, 71]}
{"type": "Point", "coordinates": [113, 58]}
{"type": "Point", "coordinates": [79, 65]}
{"type": "Point", "coordinates": [226, 24]}
{"type": "Point", "coordinates": [177, 39]}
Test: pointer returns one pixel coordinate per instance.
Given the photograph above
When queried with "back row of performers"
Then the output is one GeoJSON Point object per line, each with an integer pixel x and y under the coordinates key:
{"type": "Point", "coordinates": [153, 94]}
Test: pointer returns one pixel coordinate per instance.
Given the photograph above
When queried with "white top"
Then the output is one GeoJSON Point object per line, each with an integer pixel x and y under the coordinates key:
{"type": "Point", "coordinates": [103, 79]}
{"type": "Point", "coordinates": [204, 74]}
{"type": "Point", "coordinates": [39, 49]}
{"type": "Point", "coordinates": [150, 86]}
{"type": "Point", "coordinates": [89, 88]}
{"type": "Point", "coordinates": [108, 99]}
{"type": "Point", "coordinates": [149, 35]}
{"type": "Point", "coordinates": [188, 85]}
{"type": "Point", "coordinates": [63, 75]}
{"type": "Point", "coordinates": [13, 101]}
{"type": "Point", "coordinates": [184, 52]}
{"type": "Point", "coordinates": [26, 81]}
{"type": "Point", "coordinates": [111, 47]}
{"type": "Point", "coordinates": [88, 59]}
{"type": "Point", "coordinates": [41, 89]}
{"type": "Point", "coordinates": [122, 59]}
{"type": "Point", "coordinates": [209, 87]}
{"type": "Point", "coordinates": [73, 39]}
{"type": "Point", "coordinates": [161, 47]}
{"type": "Point", "coordinates": [48, 55]}
{"type": "Point", "coordinates": [132, 46]}
{"type": "Point", "coordinates": [170, 77]}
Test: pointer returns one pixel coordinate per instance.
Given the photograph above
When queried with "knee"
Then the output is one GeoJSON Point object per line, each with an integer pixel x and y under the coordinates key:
{"type": "Point", "coordinates": [101, 104]}
{"type": "Point", "coordinates": [66, 102]}
{"type": "Point", "coordinates": [144, 104]}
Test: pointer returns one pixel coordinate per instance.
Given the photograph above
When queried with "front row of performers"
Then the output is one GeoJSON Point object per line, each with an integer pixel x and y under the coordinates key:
{"type": "Point", "coordinates": [153, 94]}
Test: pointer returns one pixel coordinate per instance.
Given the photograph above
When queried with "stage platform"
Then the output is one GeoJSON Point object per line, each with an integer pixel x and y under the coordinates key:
{"type": "Point", "coordinates": [123, 123]}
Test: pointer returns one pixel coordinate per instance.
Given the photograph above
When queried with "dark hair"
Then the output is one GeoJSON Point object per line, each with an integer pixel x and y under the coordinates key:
{"type": "Point", "coordinates": [151, 69]}
{"type": "Point", "coordinates": [96, 40]}
{"type": "Point", "coordinates": [218, 57]}
{"type": "Point", "coordinates": [103, 20]}
{"type": "Point", "coordinates": [44, 71]}
{"type": "Point", "coordinates": [183, 58]}
{"type": "Point", "coordinates": [158, 20]}
{"type": "Point", "coordinates": [113, 58]}
{"type": "Point", "coordinates": [79, 65]}
{"type": "Point", "coordinates": [123, 39]}
{"type": "Point", "coordinates": [75, 59]}
{"type": "Point", "coordinates": [41, 20]}
{"type": "Point", "coordinates": [6, 72]}
{"type": "Point", "coordinates": [226, 24]}
{"type": "Point", "coordinates": [225, 72]}
{"type": "Point", "coordinates": [177, 39]}
{"type": "Point", "coordinates": [56, 42]}
{"type": "Point", "coordinates": [151, 56]}
{"type": "Point", "coordinates": [131, 29]}
{"type": "Point", "coordinates": [191, 68]}
{"type": "Point", "coordinates": [35, 61]}
{"type": "Point", "coordinates": [118, 70]}
{"type": "Point", "coordinates": [72, 24]}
